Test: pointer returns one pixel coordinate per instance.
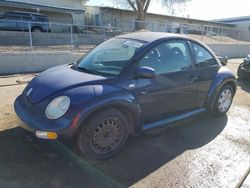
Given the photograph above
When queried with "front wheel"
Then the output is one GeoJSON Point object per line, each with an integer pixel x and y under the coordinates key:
{"type": "Point", "coordinates": [104, 134]}
{"type": "Point", "coordinates": [223, 100]}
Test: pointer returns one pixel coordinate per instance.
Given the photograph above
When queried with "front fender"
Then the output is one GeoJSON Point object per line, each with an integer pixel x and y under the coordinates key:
{"type": "Point", "coordinates": [110, 96]}
{"type": "Point", "coordinates": [223, 76]}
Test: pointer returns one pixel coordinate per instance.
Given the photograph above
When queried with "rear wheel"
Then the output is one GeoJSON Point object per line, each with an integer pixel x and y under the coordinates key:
{"type": "Point", "coordinates": [223, 100]}
{"type": "Point", "coordinates": [104, 134]}
{"type": "Point", "coordinates": [36, 29]}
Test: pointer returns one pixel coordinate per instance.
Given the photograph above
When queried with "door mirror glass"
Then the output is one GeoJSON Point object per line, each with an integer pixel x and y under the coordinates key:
{"type": "Point", "coordinates": [145, 72]}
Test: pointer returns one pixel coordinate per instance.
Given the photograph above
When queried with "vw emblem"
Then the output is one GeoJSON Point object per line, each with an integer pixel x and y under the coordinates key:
{"type": "Point", "coordinates": [29, 92]}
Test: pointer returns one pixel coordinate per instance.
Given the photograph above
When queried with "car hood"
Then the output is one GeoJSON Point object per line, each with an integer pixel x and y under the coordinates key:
{"type": "Point", "coordinates": [58, 79]}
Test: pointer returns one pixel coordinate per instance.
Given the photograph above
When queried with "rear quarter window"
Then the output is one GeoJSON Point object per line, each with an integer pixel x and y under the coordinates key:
{"type": "Point", "coordinates": [203, 57]}
{"type": "Point", "coordinates": [40, 18]}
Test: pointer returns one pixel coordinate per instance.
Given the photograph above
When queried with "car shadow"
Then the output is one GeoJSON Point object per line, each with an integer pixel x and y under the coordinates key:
{"type": "Point", "coordinates": [244, 84]}
{"type": "Point", "coordinates": [30, 162]}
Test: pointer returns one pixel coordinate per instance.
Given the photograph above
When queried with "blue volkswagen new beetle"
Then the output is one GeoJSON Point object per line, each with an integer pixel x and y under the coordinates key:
{"type": "Point", "coordinates": [125, 85]}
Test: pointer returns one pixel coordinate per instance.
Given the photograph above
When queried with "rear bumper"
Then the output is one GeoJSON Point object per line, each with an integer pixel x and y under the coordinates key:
{"type": "Point", "coordinates": [33, 121]}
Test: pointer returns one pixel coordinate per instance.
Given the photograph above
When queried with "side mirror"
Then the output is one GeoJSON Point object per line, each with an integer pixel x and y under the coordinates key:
{"type": "Point", "coordinates": [145, 72]}
{"type": "Point", "coordinates": [223, 60]}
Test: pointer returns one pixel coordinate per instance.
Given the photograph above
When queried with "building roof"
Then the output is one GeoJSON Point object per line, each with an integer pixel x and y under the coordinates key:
{"type": "Point", "coordinates": [13, 3]}
{"type": "Point", "coordinates": [152, 36]}
{"type": "Point", "coordinates": [24, 12]}
{"type": "Point", "coordinates": [234, 20]}
{"type": "Point", "coordinates": [188, 20]}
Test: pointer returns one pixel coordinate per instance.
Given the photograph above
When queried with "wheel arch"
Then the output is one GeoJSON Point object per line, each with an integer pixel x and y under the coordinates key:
{"type": "Point", "coordinates": [35, 26]}
{"type": "Point", "coordinates": [131, 112]}
{"type": "Point", "coordinates": [210, 100]}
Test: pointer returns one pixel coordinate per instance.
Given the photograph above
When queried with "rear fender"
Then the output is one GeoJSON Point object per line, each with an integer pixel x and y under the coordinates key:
{"type": "Point", "coordinates": [223, 76]}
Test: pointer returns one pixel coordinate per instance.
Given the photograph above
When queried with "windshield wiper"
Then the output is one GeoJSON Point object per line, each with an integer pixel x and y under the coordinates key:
{"type": "Point", "coordinates": [73, 66]}
{"type": "Point", "coordinates": [82, 69]}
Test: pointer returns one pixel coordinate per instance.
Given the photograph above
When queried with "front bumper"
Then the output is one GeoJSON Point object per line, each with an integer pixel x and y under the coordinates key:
{"type": "Point", "coordinates": [244, 72]}
{"type": "Point", "coordinates": [34, 121]}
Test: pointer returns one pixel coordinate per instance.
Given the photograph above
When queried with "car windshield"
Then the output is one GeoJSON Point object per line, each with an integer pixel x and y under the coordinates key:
{"type": "Point", "coordinates": [109, 58]}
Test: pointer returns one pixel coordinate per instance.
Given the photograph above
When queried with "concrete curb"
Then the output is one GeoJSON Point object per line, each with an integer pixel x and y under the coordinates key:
{"type": "Point", "coordinates": [26, 62]}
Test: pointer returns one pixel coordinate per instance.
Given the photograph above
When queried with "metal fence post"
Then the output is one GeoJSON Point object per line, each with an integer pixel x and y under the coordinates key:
{"type": "Point", "coordinates": [202, 31]}
{"type": "Point", "coordinates": [220, 33]}
{"type": "Point", "coordinates": [30, 36]}
{"type": "Point", "coordinates": [238, 37]}
{"type": "Point", "coordinates": [71, 38]}
{"type": "Point", "coordinates": [104, 34]}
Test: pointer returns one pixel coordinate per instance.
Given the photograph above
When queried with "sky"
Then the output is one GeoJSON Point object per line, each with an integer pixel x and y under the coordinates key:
{"type": "Point", "coordinates": [197, 9]}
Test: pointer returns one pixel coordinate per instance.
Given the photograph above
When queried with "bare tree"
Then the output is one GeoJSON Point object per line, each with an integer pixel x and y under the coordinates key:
{"type": "Point", "coordinates": [140, 7]}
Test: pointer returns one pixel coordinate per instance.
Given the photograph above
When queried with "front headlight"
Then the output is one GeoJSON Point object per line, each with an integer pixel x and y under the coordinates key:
{"type": "Point", "coordinates": [57, 107]}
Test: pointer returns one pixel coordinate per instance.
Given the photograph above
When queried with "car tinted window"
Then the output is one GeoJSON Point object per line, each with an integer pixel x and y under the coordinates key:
{"type": "Point", "coordinates": [40, 18]}
{"type": "Point", "coordinates": [12, 17]}
{"type": "Point", "coordinates": [203, 56]}
{"type": "Point", "coordinates": [27, 17]}
{"type": "Point", "coordinates": [168, 57]}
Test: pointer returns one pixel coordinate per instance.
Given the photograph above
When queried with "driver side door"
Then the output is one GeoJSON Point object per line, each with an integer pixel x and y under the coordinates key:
{"type": "Point", "coordinates": [173, 90]}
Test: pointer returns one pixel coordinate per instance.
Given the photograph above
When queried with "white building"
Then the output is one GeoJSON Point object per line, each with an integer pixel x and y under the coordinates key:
{"type": "Point", "coordinates": [120, 18]}
{"type": "Point", "coordinates": [241, 23]}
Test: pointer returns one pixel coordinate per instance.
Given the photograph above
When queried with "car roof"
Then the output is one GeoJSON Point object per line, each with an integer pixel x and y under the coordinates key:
{"type": "Point", "coordinates": [149, 37]}
{"type": "Point", "coordinates": [152, 36]}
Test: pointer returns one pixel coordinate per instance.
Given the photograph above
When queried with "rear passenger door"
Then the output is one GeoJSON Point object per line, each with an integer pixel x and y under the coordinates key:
{"type": "Point", "coordinates": [26, 20]}
{"type": "Point", "coordinates": [206, 69]}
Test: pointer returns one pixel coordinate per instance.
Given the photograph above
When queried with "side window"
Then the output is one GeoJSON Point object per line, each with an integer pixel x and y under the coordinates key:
{"type": "Point", "coordinates": [203, 57]}
{"type": "Point", "coordinates": [40, 19]}
{"type": "Point", "coordinates": [170, 56]}
{"type": "Point", "coordinates": [12, 17]}
{"type": "Point", "coordinates": [27, 18]}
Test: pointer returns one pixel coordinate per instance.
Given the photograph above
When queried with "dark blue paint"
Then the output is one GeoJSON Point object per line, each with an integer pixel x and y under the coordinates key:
{"type": "Point", "coordinates": [145, 101]}
{"type": "Point", "coordinates": [173, 119]}
{"type": "Point", "coordinates": [222, 77]}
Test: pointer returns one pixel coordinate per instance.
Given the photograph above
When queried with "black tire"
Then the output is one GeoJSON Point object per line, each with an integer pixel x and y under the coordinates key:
{"type": "Point", "coordinates": [102, 129]}
{"type": "Point", "coordinates": [218, 109]}
{"type": "Point", "coordinates": [36, 29]}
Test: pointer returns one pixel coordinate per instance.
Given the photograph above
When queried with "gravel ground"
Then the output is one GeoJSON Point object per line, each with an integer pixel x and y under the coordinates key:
{"type": "Point", "coordinates": [201, 152]}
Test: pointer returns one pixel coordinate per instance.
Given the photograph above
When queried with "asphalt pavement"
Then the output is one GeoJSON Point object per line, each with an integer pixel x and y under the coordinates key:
{"type": "Point", "coordinates": [204, 151]}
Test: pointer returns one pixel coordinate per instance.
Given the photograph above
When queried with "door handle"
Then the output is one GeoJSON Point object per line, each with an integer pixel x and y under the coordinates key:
{"type": "Point", "coordinates": [193, 79]}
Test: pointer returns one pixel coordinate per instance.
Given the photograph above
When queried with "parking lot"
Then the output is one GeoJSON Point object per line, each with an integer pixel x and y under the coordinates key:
{"type": "Point", "coordinates": [204, 151]}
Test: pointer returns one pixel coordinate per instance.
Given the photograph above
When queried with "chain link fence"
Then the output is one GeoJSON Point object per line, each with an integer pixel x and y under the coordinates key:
{"type": "Point", "coordinates": [81, 38]}
{"type": "Point", "coordinates": [206, 33]}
